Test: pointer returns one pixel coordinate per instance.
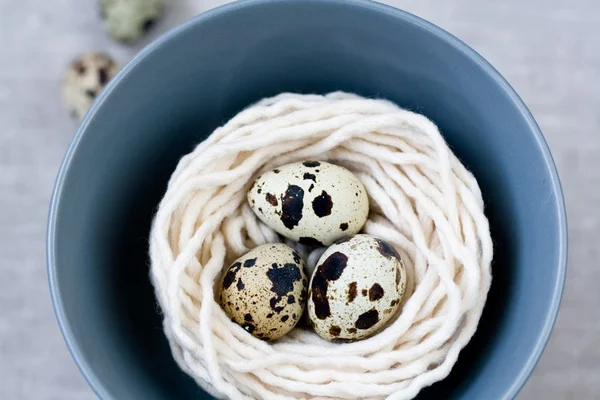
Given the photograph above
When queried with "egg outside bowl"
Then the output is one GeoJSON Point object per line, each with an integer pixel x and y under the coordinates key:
{"type": "Point", "coordinates": [194, 78]}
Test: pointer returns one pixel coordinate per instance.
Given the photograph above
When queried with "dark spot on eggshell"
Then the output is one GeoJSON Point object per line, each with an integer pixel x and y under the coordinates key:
{"type": "Point", "coordinates": [230, 275]}
{"type": "Point", "coordinates": [248, 317]}
{"type": "Point", "coordinates": [376, 292]}
{"type": "Point", "coordinates": [352, 292]}
{"type": "Point", "coordinates": [249, 263]}
{"type": "Point", "coordinates": [364, 292]}
{"type": "Point", "coordinates": [293, 316]}
{"type": "Point", "coordinates": [273, 329]}
{"type": "Point", "coordinates": [273, 302]}
{"type": "Point", "coordinates": [335, 330]}
{"type": "Point", "coordinates": [367, 320]}
{"type": "Point", "coordinates": [249, 327]}
{"type": "Point", "coordinates": [389, 310]}
{"type": "Point", "coordinates": [259, 191]}
{"type": "Point", "coordinates": [102, 76]}
{"type": "Point", "coordinates": [333, 266]}
{"type": "Point", "coordinates": [291, 299]}
{"type": "Point", "coordinates": [393, 303]}
{"type": "Point", "coordinates": [309, 176]}
{"type": "Point", "coordinates": [271, 199]}
{"type": "Point", "coordinates": [343, 226]}
{"type": "Point", "coordinates": [79, 67]}
{"type": "Point", "coordinates": [283, 278]}
{"type": "Point", "coordinates": [291, 206]}
{"type": "Point", "coordinates": [91, 93]}
{"type": "Point", "coordinates": [260, 210]}
{"type": "Point", "coordinates": [386, 249]}
{"type": "Point", "coordinates": [148, 23]}
{"type": "Point", "coordinates": [270, 315]}
{"type": "Point", "coordinates": [351, 330]}
{"type": "Point", "coordinates": [285, 318]}
{"type": "Point", "coordinates": [398, 275]}
{"type": "Point", "coordinates": [311, 164]}
{"type": "Point", "coordinates": [296, 256]}
{"type": "Point", "coordinates": [278, 309]}
{"type": "Point", "coordinates": [310, 241]}
{"type": "Point", "coordinates": [330, 270]}
{"type": "Point", "coordinates": [322, 205]}
{"type": "Point", "coordinates": [276, 171]}
{"type": "Point", "coordinates": [240, 284]}
{"type": "Point", "coordinates": [311, 188]}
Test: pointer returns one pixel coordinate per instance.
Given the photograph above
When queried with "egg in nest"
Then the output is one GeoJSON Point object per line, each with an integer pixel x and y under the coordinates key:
{"type": "Point", "coordinates": [264, 291]}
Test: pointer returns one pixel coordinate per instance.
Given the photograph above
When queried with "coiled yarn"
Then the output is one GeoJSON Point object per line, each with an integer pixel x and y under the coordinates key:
{"type": "Point", "coordinates": [422, 200]}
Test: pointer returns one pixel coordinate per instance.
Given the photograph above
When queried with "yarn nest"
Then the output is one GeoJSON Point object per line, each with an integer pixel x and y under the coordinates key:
{"type": "Point", "coordinates": [422, 200]}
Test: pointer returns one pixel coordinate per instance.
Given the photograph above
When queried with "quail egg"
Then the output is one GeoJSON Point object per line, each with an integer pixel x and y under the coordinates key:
{"type": "Point", "coordinates": [264, 291]}
{"type": "Point", "coordinates": [85, 78]}
{"type": "Point", "coordinates": [312, 202]}
{"type": "Point", "coordinates": [356, 288]}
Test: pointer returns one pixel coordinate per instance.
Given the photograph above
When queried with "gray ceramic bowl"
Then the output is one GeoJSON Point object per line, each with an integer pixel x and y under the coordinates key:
{"type": "Point", "coordinates": [184, 85]}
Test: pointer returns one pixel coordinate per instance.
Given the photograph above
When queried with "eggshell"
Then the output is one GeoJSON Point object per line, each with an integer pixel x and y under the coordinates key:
{"type": "Point", "coordinates": [312, 202]}
{"type": "Point", "coordinates": [355, 289]}
{"type": "Point", "coordinates": [264, 291]}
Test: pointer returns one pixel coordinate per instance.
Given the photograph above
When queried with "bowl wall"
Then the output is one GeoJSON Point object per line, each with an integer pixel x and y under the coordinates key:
{"type": "Point", "coordinates": [183, 86]}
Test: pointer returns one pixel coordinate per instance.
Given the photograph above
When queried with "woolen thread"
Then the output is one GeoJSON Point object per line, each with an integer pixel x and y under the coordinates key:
{"type": "Point", "coordinates": [422, 200]}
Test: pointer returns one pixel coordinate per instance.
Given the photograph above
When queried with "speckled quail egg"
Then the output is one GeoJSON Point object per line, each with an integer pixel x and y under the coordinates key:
{"type": "Point", "coordinates": [85, 78]}
{"type": "Point", "coordinates": [128, 20]}
{"type": "Point", "coordinates": [355, 289]}
{"type": "Point", "coordinates": [264, 291]}
{"type": "Point", "coordinates": [312, 202]}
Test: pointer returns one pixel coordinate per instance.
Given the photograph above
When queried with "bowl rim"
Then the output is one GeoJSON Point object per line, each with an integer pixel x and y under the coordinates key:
{"type": "Point", "coordinates": [54, 284]}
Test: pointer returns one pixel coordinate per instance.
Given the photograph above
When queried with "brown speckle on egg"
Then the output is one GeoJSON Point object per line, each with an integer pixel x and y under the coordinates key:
{"type": "Point", "coordinates": [292, 203]}
{"type": "Point", "coordinates": [352, 292]}
{"type": "Point", "coordinates": [311, 164]}
{"type": "Point", "coordinates": [375, 292]}
{"type": "Point", "coordinates": [367, 320]}
{"type": "Point", "coordinates": [271, 199]}
{"type": "Point", "coordinates": [329, 270]}
{"type": "Point", "coordinates": [335, 330]}
{"type": "Point", "coordinates": [322, 205]}
{"type": "Point", "coordinates": [309, 176]}
{"type": "Point", "coordinates": [386, 249]}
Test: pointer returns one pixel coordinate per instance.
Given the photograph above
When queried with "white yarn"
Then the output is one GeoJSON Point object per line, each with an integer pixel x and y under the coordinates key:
{"type": "Point", "coordinates": [422, 200]}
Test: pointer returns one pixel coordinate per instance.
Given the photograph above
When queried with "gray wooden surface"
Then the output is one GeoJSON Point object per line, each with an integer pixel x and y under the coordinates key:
{"type": "Point", "coordinates": [547, 49]}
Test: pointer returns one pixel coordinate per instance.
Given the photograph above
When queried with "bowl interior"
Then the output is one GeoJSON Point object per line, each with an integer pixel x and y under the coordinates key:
{"type": "Point", "coordinates": [195, 78]}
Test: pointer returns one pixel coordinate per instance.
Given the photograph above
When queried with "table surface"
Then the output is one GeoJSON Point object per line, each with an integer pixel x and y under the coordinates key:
{"type": "Point", "coordinates": [547, 49]}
